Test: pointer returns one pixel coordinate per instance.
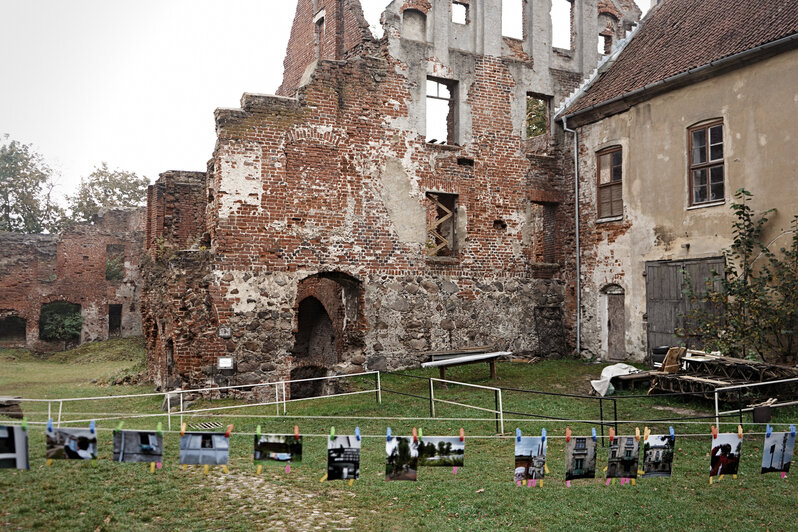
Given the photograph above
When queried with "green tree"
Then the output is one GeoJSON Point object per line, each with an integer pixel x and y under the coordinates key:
{"type": "Point", "coordinates": [749, 309]}
{"type": "Point", "coordinates": [26, 188]}
{"type": "Point", "coordinates": [106, 188]}
{"type": "Point", "coordinates": [60, 321]}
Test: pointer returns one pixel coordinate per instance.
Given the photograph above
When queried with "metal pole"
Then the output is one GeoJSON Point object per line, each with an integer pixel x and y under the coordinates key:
{"type": "Point", "coordinates": [168, 411]}
{"type": "Point", "coordinates": [431, 399]}
{"type": "Point", "coordinates": [739, 405]}
{"type": "Point", "coordinates": [601, 415]}
{"type": "Point", "coordinates": [284, 396]}
{"type": "Point", "coordinates": [277, 397]}
{"type": "Point", "coordinates": [501, 413]}
{"type": "Point", "coordinates": [615, 413]}
{"type": "Point", "coordinates": [181, 407]}
{"type": "Point", "coordinates": [60, 406]}
{"type": "Point", "coordinates": [379, 389]}
{"type": "Point", "coordinates": [717, 417]}
{"type": "Point", "coordinates": [49, 410]}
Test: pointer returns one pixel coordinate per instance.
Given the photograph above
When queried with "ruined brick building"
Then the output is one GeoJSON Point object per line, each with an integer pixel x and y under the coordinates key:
{"type": "Point", "coordinates": [391, 199]}
{"type": "Point", "coordinates": [93, 267]}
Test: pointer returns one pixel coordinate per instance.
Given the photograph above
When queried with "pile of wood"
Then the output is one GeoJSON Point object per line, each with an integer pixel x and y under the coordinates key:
{"type": "Point", "coordinates": [699, 373]}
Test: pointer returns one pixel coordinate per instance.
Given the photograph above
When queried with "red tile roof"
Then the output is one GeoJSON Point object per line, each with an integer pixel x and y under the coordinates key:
{"type": "Point", "coordinates": [678, 35]}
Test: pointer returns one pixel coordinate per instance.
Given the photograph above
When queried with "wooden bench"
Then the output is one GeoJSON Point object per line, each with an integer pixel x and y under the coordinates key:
{"type": "Point", "coordinates": [443, 360]}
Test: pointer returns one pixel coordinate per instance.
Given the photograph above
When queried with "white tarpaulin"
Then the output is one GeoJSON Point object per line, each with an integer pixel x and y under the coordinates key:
{"type": "Point", "coordinates": [603, 386]}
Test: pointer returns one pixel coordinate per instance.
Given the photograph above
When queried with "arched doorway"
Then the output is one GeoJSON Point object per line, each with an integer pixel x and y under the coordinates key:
{"type": "Point", "coordinates": [614, 328]}
{"type": "Point", "coordinates": [314, 348]}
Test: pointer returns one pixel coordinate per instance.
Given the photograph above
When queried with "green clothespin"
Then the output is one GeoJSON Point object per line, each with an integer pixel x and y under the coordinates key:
{"type": "Point", "coordinates": [119, 427]}
{"type": "Point", "coordinates": [420, 434]}
{"type": "Point", "coordinates": [257, 431]}
{"type": "Point", "coordinates": [332, 433]}
{"type": "Point", "coordinates": [25, 424]}
{"type": "Point", "coordinates": [159, 429]}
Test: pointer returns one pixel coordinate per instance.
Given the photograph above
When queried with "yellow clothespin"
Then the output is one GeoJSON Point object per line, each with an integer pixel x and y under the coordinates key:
{"type": "Point", "coordinates": [206, 469]}
{"type": "Point", "coordinates": [152, 467]}
{"type": "Point", "coordinates": [546, 468]}
{"type": "Point", "coordinates": [182, 430]}
{"type": "Point", "coordinates": [637, 433]}
{"type": "Point", "coordinates": [260, 468]}
{"type": "Point", "coordinates": [740, 431]}
{"type": "Point", "coordinates": [225, 469]}
{"type": "Point", "coordinates": [323, 478]}
{"type": "Point", "coordinates": [351, 481]}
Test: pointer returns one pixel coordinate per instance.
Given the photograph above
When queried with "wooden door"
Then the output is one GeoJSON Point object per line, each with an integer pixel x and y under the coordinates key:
{"type": "Point", "coordinates": [616, 327]}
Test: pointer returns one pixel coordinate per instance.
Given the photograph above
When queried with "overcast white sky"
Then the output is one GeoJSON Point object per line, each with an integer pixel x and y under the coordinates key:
{"type": "Point", "coordinates": [135, 82]}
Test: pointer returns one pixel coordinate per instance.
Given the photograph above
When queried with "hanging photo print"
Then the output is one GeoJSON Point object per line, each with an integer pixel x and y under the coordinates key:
{"type": "Point", "coordinates": [401, 462]}
{"type": "Point", "coordinates": [343, 458]}
{"type": "Point", "coordinates": [13, 448]}
{"type": "Point", "coordinates": [278, 448]}
{"type": "Point", "coordinates": [580, 458]}
{"type": "Point", "coordinates": [71, 444]}
{"type": "Point", "coordinates": [441, 451]}
{"type": "Point", "coordinates": [137, 446]}
{"type": "Point", "coordinates": [724, 459]}
{"type": "Point", "coordinates": [204, 448]}
{"type": "Point", "coordinates": [530, 458]}
{"type": "Point", "coordinates": [778, 452]}
{"type": "Point", "coordinates": [623, 458]}
{"type": "Point", "coordinates": [658, 455]}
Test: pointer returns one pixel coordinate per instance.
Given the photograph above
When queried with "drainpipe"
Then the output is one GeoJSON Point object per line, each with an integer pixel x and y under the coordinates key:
{"type": "Point", "coordinates": [578, 247]}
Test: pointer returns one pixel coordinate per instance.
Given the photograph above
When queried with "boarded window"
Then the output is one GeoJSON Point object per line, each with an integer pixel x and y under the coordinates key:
{"type": "Point", "coordinates": [319, 37]}
{"type": "Point", "coordinates": [114, 262]}
{"type": "Point", "coordinates": [537, 115]}
{"type": "Point", "coordinates": [441, 111]}
{"type": "Point", "coordinates": [610, 182]}
{"type": "Point", "coordinates": [114, 320]}
{"type": "Point", "coordinates": [706, 163]}
{"type": "Point", "coordinates": [441, 209]}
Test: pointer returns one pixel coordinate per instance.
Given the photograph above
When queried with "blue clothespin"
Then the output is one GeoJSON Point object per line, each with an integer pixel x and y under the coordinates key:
{"type": "Point", "coordinates": [594, 433]}
{"type": "Point", "coordinates": [792, 430]}
{"type": "Point", "coordinates": [517, 434]}
{"type": "Point", "coordinates": [357, 433]}
{"type": "Point", "coordinates": [768, 431]}
{"type": "Point", "coordinates": [388, 436]}
{"type": "Point", "coordinates": [91, 427]}
{"type": "Point", "coordinates": [159, 429]}
{"type": "Point", "coordinates": [543, 435]}
{"type": "Point", "coordinates": [50, 425]}
{"type": "Point", "coordinates": [673, 435]}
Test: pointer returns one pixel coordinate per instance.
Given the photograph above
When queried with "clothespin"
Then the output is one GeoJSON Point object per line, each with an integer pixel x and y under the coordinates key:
{"type": "Point", "coordinates": [182, 430]}
{"type": "Point", "coordinates": [594, 433]}
{"type": "Point", "coordinates": [92, 428]}
{"type": "Point", "coordinates": [50, 425]}
{"type": "Point", "coordinates": [420, 434]}
{"type": "Point", "coordinates": [792, 430]}
{"type": "Point", "coordinates": [740, 431]}
{"type": "Point", "coordinates": [462, 434]}
{"type": "Point", "coordinates": [257, 431]}
{"type": "Point", "coordinates": [119, 427]}
{"type": "Point", "coordinates": [567, 434]}
{"type": "Point", "coordinates": [152, 468]}
{"type": "Point", "coordinates": [388, 435]}
{"type": "Point", "coordinates": [357, 433]}
{"type": "Point", "coordinates": [673, 435]}
{"type": "Point", "coordinates": [646, 433]}
{"type": "Point", "coordinates": [296, 432]}
{"type": "Point", "coordinates": [25, 424]}
{"type": "Point", "coordinates": [612, 434]}
{"type": "Point", "coordinates": [714, 432]}
{"type": "Point", "coordinates": [518, 435]}
{"type": "Point", "coordinates": [768, 431]}
{"type": "Point", "coordinates": [637, 433]}
{"type": "Point", "coordinates": [415, 435]}
{"type": "Point", "coordinates": [332, 433]}
{"type": "Point", "coordinates": [543, 435]}
{"type": "Point", "coordinates": [229, 430]}
{"type": "Point", "coordinates": [159, 429]}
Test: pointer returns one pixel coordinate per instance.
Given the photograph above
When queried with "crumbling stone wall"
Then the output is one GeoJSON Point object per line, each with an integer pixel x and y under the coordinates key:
{"type": "Point", "coordinates": [71, 267]}
{"type": "Point", "coordinates": [324, 196]}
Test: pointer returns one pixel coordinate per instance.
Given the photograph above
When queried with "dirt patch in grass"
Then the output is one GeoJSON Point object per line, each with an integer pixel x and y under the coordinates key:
{"type": "Point", "coordinates": [676, 410]}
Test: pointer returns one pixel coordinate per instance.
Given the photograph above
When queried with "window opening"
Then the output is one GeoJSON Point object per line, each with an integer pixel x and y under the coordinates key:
{"type": "Point", "coordinates": [414, 25]}
{"type": "Point", "coordinates": [441, 111]}
{"type": "Point", "coordinates": [60, 320]}
{"type": "Point", "coordinates": [561, 15]}
{"type": "Point", "coordinates": [610, 182]}
{"type": "Point", "coordinates": [319, 36]}
{"type": "Point", "coordinates": [580, 443]}
{"type": "Point", "coordinates": [537, 115]}
{"type": "Point", "coordinates": [549, 232]}
{"type": "Point", "coordinates": [706, 163]}
{"type": "Point", "coordinates": [114, 320]}
{"type": "Point", "coordinates": [604, 44]}
{"type": "Point", "coordinates": [459, 13]}
{"type": "Point", "coordinates": [513, 19]}
{"type": "Point", "coordinates": [441, 211]}
{"type": "Point", "coordinates": [114, 262]}
{"type": "Point", "coordinates": [12, 329]}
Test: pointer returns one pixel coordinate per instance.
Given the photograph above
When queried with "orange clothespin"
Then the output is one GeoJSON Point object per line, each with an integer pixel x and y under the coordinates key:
{"type": "Point", "coordinates": [182, 430]}
{"type": "Point", "coordinates": [714, 432]}
{"type": "Point", "coordinates": [296, 432]}
{"type": "Point", "coordinates": [646, 433]}
{"type": "Point", "coordinates": [415, 435]}
{"type": "Point", "coordinates": [637, 433]}
{"type": "Point", "coordinates": [229, 430]}
{"type": "Point", "coordinates": [740, 431]}
{"type": "Point", "coordinates": [567, 434]}
{"type": "Point", "coordinates": [612, 434]}
{"type": "Point", "coordinates": [462, 434]}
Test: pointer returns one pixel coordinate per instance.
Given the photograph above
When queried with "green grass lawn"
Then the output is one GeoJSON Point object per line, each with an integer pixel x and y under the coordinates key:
{"type": "Point", "coordinates": [482, 496]}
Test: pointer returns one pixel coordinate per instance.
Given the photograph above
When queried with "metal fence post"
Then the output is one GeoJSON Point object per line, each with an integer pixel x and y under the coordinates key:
{"type": "Point", "coordinates": [60, 407]}
{"type": "Point", "coordinates": [284, 397]}
{"type": "Point", "coordinates": [181, 407]}
{"type": "Point", "coordinates": [431, 399]}
{"type": "Point", "coordinates": [717, 415]}
{"type": "Point", "coordinates": [501, 412]}
{"type": "Point", "coordinates": [379, 389]}
{"type": "Point", "coordinates": [168, 411]}
{"type": "Point", "coordinates": [615, 413]}
{"type": "Point", "coordinates": [277, 398]}
{"type": "Point", "coordinates": [49, 410]}
{"type": "Point", "coordinates": [740, 405]}
{"type": "Point", "coordinates": [601, 415]}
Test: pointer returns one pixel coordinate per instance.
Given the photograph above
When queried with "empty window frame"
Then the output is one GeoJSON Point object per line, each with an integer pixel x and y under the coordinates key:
{"type": "Point", "coordinates": [319, 37]}
{"type": "Point", "coordinates": [441, 222]}
{"type": "Point", "coordinates": [460, 12]}
{"type": "Point", "coordinates": [114, 262]}
{"type": "Point", "coordinates": [706, 172]}
{"type": "Point", "coordinates": [561, 23]}
{"type": "Point", "coordinates": [513, 19]}
{"type": "Point", "coordinates": [441, 111]}
{"type": "Point", "coordinates": [537, 115]}
{"type": "Point", "coordinates": [609, 170]}
{"type": "Point", "coordinates": [114, 320]}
